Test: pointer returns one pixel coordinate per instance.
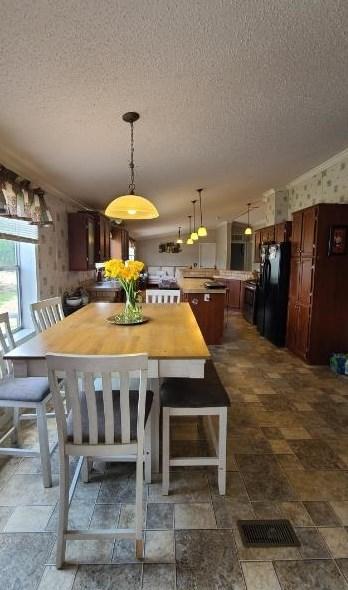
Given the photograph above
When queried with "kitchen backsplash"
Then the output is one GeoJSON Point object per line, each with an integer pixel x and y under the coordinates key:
{"type": "Point", "coordinates": [54, 276]}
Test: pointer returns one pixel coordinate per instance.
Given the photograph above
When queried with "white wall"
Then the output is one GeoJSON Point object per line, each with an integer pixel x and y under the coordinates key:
{"type": "Point", "coordinates": [147, 251]}
{"type": "Point", "coordinates": [54, 276]}
{"type": "Point", "coordinates": [223, 245]}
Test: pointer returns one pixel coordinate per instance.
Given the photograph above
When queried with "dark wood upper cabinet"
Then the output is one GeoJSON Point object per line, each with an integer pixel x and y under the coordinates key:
{"type": "Point", "coordinates": [89, 239]}
{"type": "Point", "coordinates": [282, 232]}
{"type": "Point", "coordinates": [102, 237]}
{"type": "Point", "coordinates": [81, 231]}
{"type": "Point", "coordinates": [267, 234]}
{"type": "Point", "coordinates": [296, 233]}
{"type": "Point", "coordinates": [257, 244]}
{"type": "Point", "coordinates": [309, 227]}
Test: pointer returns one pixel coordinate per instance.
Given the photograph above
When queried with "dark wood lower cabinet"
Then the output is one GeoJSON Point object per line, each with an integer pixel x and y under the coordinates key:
{"type": "Point", "coordinates": [209, 314]}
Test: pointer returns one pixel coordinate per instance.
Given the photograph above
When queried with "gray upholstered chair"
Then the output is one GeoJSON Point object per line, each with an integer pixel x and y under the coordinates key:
{"type": "Point", "coordinates": [26, 392]}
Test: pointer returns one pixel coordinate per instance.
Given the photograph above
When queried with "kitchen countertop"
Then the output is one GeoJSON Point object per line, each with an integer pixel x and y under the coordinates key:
{"type": "Point", "coordinates": [197, 286]}
{"type": "Point", "coordinates": [104, 286]}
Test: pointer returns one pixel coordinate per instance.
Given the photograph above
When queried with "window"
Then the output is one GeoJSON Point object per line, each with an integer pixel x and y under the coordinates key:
{"type": "Point", "coordinates": [10, 299]}
{"type": "Point", "coordinates": [18, 283]}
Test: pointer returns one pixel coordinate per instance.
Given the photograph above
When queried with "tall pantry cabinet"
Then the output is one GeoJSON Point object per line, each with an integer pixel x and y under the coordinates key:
{"type": "Point", "coordinates": [318, 293]}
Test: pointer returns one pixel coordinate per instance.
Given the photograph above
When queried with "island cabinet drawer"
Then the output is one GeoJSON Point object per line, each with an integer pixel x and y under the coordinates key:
{"type": "Point", "coordinates": [208, 309]}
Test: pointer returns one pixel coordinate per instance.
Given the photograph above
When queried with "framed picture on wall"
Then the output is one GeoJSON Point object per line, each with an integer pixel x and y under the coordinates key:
{"type": "Point", "coordinates": [338, 240]}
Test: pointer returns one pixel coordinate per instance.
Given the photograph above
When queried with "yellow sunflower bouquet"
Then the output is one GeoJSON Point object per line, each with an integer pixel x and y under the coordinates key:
{"type": "Point", "coordinates": [127, 273]}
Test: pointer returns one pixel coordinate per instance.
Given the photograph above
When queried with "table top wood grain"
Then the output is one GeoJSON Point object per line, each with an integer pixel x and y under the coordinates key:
{"type": "Point", "coordinates": [171, 333]}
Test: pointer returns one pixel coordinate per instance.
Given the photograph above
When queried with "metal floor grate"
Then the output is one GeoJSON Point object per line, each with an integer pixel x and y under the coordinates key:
{"type": "Point", "coordinates": [267, 533]}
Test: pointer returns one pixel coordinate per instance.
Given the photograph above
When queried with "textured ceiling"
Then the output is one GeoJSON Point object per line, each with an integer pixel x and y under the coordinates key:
{"type": "Point", "coordinates": [234, 96]}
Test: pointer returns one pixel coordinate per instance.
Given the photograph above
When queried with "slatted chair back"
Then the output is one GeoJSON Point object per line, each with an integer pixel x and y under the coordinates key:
{"type": "Point", "coordinates": [7, 343]}
{"type": "Point", "coordinates": [46, 313]}
{"type": "Point", "coordinates": [162, 295]}
{"type": "Point", "coordinates": [81, 374]}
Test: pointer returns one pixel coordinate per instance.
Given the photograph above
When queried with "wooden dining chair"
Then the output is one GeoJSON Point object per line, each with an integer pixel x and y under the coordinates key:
{"type": "Point", "coordinates": [46, 313]}
{"type": "Point", "coordinates": [23, 392]}
{"type": "Point", "coordinates": [162, 295]}
{"type": "Point", "coordinates": [105, 424]}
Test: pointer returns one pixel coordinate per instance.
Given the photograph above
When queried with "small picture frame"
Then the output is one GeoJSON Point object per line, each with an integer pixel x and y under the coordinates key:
{"type": "Point", "coordinates": [338, 240]}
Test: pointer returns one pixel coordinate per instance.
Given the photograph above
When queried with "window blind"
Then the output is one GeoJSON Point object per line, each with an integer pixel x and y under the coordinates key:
{"type": "Point", "coordinates": [18, 230]}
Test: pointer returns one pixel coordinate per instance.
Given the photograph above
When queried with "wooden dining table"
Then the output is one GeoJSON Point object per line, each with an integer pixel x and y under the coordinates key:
{"type": "Point", "coordinates": [171, 338]}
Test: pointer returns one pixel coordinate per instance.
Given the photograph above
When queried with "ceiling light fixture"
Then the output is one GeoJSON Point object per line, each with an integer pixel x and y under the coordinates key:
{"type": "Point", "coordinates": [194, 235]}
{"type": "Point", "coordinates": [202, 230]}
{"type": "Point", "coordinates": [248, 230]}
{"type": "Point", "coordinates": [189, 240]}
{"type": "Point", "coordinates": [131, 206]}
{"type": "Point", "coordinates": [179, 240]}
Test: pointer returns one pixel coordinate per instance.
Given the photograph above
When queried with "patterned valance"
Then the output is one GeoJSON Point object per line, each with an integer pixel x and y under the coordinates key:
{"type": "Point", "coordinates": [18, 200]}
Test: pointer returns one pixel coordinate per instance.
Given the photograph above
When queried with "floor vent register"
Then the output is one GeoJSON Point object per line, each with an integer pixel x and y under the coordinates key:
{"type": "Point", "coordinates": [267, 533]}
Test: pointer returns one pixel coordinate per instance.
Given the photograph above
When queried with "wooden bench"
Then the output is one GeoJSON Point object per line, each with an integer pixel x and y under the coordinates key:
{"type": "Point", "coordinates": [195, 397]}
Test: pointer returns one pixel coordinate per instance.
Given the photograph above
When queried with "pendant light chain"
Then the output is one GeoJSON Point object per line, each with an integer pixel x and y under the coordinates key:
{"type": "Point", "coordinates": [194, 215]}
{"type": "Point", "coordinates": [199, 190]}
{"type": "Point", "coordinates": [131, 185]}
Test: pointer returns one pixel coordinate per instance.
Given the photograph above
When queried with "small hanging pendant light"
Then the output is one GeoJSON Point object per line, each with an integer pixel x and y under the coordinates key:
{"type": "Point", "coordinates": [248, 230]}
{"type": "Point", "coordinates": [202, 230]}
{"type": "Point", "coordinates": [194, 235]}
{"type": "Point", "coordinates": [189, 240]}
{"type": "Point", "coordinates": [179, 240]}
{"type": "Point", "coordinates": [131, 206]}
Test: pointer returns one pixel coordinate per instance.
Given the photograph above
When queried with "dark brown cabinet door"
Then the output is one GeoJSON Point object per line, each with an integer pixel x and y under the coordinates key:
{"type": "Point", "coordinates": [306, 281]}
{"type": "Point", "coordinates": [106, 239]}
{"type": "Point", "coordinates": [279, 233]}
{"type": "Point", "coordinates": [303, 325]}
{"type": "Point", "coordinates": [308, 231]}
{"type": "Point", "coordinates": [81, 229]}
{"type": "Point", "coordinates": [296, 234]}
{"type": "Point", "coordinates": [282, 232]}
{"type": "Point", "coordinates": [102, 238]}
{"type": "Point", "coordinates": [257, 243]}
{"type": "Point", "coordinates": [233, 287]}
{"type": "Point", "coordinates": [295, 279]}
{"type": "Point", "coordinates": [291, 333]}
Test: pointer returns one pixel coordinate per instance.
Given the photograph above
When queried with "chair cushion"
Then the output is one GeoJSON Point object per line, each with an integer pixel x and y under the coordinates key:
{"type": "Point", "coordinates": [177, 392]}
{"type": "Point", "coordinates": [24, 389]}
{"type": "Point", "coordinates": [133, 408]}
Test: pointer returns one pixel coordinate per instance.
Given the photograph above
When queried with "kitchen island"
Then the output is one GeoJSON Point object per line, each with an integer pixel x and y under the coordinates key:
{"type": "Point", "coordinates": [207, 305]}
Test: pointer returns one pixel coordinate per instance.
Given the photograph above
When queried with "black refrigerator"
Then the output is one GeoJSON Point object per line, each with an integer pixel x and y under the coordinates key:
{"type": "Point", "coordinates": [272, 303]}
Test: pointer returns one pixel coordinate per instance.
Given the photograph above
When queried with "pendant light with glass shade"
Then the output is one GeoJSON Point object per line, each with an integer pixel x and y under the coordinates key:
{"type": "Point", "coordinates": [131, 206]}
{"type": "Point", "coordinates": [194, 235]}
{"type": "Point", "coordinates": [179, 240]}
{"type": "Point", "coordinates": [248, 230]}
{"type": "Point", "coordinates": [189, 240]}
{"type": "Point", "coordinates": [202, 230]}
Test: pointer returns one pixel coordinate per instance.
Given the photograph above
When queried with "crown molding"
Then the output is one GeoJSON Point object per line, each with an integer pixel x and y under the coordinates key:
{"type": "Point", "coordinates": [320, 168]}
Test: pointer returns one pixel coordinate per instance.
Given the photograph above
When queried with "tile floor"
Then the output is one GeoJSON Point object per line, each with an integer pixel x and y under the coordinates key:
{"type": "Point", "coordinates": [287, 457]}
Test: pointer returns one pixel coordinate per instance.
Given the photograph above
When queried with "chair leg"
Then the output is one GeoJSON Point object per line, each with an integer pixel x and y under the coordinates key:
{"type": "Point", "coordinates": [165, 451]}
{"type": "Point", "coordinates": [156, 411]}
{"type": "Point", "coordinates": [222, 451]}
{"type": "Point", "coordinates": [63, 509]}
{"type": "Point", "coordinates": [44, 445]}
{"type": "Point", "coordinates": [139, 541]}
{"type": "Point", "coordinates": [86, 469]}
{"type": "Point", "coordinates": [16, 436]}
{"type": "Point", "coordinates": [147, 450]}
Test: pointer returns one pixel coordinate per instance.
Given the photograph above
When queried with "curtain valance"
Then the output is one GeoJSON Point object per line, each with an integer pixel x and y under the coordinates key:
{"type": "Point", "coordinates": [18, 200]}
